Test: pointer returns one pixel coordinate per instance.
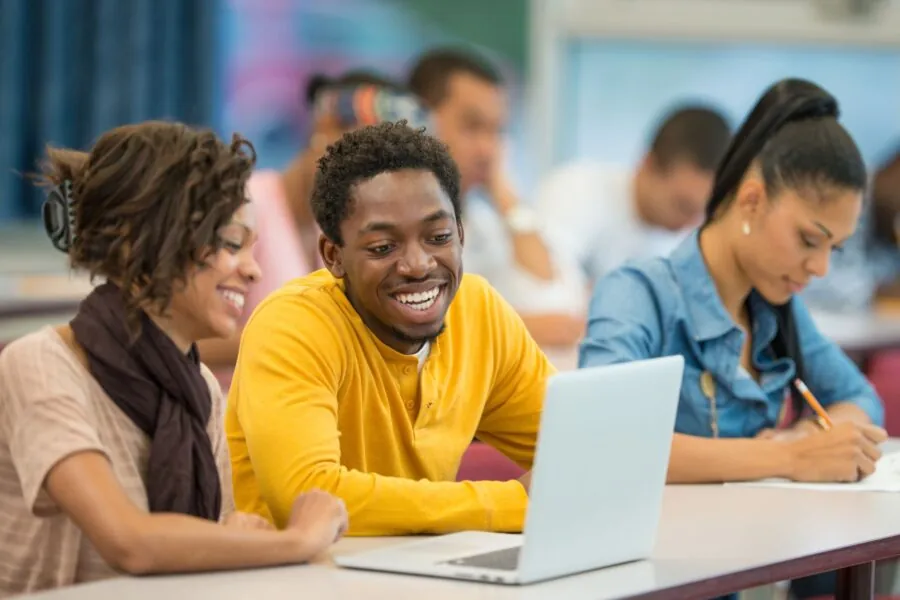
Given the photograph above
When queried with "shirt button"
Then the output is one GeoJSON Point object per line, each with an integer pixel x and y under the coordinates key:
{"type": "Point", "coordinates": [407, 369]}
{"type": "Point", "coordinates": [410, 405]}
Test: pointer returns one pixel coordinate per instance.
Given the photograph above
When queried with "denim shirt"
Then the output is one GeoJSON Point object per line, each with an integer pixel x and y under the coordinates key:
{"type": "Point", "coordinates": [669, 306]}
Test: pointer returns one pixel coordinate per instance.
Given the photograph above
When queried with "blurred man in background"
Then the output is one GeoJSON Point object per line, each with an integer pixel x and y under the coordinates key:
{"type": "Point", "coordinates": [865, 273]}
{"type": "Point", "coordinates": [603, 215]}
{"type": "Point", "coordinates": [504, 243]}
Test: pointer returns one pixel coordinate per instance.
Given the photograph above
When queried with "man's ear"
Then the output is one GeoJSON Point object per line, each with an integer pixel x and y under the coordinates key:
{"type": "Point", "coordinates": [332, 256]}
{"type": "Point", "coordinates": [462, 233]}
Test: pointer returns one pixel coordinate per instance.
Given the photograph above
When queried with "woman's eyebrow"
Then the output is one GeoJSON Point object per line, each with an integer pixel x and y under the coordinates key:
{"type": "Point", "coordinates": [824, 229]}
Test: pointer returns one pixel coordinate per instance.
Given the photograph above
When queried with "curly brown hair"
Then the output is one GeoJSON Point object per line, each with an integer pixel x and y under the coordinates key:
{"type": "Point", "coordinates": [148, 201]}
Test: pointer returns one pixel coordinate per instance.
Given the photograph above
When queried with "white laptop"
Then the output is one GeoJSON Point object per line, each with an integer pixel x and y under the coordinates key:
{"type": "Point", "coordinates": [596, 489]}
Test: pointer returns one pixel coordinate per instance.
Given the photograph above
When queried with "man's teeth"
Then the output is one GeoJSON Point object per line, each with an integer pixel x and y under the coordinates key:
{"type": "Point", "coordinates": [235, 298]}
{"type": "Point", "coordinates": [420, 300]}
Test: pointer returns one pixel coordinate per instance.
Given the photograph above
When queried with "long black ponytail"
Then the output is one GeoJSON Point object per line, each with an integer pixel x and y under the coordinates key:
{"type": "Point", "coordinates": [794, 136]}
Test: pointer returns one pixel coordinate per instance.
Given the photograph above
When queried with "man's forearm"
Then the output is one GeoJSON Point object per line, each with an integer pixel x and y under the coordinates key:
{"type": "Point", "coordinates": [555, 329]}
{"type": "Point", "coordinates": [531, 255]}
{"type": "Point", "coordinates": [380, 505]}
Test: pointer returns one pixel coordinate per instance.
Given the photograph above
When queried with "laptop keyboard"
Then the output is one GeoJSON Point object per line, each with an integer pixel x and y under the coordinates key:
{"type": "Point", "coordinates": [500, 560]}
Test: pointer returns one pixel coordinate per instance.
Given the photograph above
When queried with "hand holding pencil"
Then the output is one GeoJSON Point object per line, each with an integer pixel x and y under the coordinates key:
{"type": "Point", "coordinates": [845, 452]}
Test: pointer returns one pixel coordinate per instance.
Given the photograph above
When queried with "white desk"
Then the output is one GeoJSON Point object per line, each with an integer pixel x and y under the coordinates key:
{"type": "Point", "coordinates": [712, 540]}
{"type": "Point", "coordinates": [860, 332]}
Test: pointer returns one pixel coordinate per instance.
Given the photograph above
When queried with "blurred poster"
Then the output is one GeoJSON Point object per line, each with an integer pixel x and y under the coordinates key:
{"type": "Point", "coordinates": [270, 48]}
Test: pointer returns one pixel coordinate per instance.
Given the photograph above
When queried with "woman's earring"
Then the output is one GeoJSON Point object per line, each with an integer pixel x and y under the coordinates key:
{"type": "Point", "coordinates": [746, 228]}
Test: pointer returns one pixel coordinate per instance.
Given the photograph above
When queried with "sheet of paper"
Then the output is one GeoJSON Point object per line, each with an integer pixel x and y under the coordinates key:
{"type": "Point", "coordinates": [886, 478]}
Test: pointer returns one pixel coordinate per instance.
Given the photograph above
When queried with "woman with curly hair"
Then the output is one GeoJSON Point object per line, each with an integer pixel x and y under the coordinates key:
{"type": "Point", "coordinates": [112, 452]}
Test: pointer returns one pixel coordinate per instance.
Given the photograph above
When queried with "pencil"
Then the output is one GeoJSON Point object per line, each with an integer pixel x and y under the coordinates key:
{"type": "Point", "coordinates": [824, 419]}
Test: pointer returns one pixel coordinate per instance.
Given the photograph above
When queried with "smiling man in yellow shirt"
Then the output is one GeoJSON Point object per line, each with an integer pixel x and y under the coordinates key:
{"type": "Point", "coordinates": [370, 378]}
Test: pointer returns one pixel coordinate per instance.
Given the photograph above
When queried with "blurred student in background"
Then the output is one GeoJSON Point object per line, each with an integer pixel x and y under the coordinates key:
{"type": "Point", "coordinates": [112, 450]}
{"type": "Point", "coordinates": [885, 242]}
{"type": "Point", "coordinates": [604, 215]}
{"type": "Point", "coordinates": [288, 247]}
{"type": "Point", "coordinates": [867, 269]}
{"type": "Point", "coordinates": [504, 239]}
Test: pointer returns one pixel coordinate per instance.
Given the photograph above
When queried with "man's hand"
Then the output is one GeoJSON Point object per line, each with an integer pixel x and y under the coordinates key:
{"type": "Point", "coordinates": [503, 196]}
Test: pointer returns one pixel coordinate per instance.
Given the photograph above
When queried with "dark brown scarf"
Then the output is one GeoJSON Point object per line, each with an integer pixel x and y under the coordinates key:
{"type": "Point", "coordinates": [163, 392]}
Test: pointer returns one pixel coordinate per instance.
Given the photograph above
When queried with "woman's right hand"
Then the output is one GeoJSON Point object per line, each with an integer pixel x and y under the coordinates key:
{"type": "Point", "coordinates": [319, 519]}
{"type": "Point", "coordinates": [845, 453]}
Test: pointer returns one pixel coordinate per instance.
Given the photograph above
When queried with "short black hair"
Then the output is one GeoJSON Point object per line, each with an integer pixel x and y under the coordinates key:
{"type": "Point", "coordinates": [429, 76]}
{"type": "Point", "coordinates": [320, 82]}
{"type": "Point", "coordinates": [698, 135]}
{"type": "Point", "coordinates": [369, 151]}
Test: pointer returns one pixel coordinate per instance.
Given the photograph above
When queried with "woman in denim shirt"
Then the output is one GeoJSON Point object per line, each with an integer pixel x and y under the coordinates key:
{"type": "Point", "coordinates": [787, 193]}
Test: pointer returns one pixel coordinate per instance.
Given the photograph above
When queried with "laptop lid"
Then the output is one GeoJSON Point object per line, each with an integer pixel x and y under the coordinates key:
{"type": "Point", "coordinates": [600, 470]}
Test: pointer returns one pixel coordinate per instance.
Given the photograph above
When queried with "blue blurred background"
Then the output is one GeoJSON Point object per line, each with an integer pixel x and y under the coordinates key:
{"type": "Point", "coordinates": [76, 68]}
{"type": "Point", "coordinates": [73, 69]}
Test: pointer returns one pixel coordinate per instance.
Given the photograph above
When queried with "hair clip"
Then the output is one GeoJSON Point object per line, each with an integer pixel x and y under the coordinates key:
{"type": "Point", "coordinates": [58, 216]}
{"type": "Point", "coordinates": [399, 107]}
{"type": "Point", "coordinates": [370, 104]}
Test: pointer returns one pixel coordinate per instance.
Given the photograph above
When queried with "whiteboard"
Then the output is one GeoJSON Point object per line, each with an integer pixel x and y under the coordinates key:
{"type": "Point", "coordinates": [615, 90]}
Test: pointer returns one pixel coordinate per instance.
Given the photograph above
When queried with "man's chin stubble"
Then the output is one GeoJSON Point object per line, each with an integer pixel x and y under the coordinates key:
{"type": "Point", "coordinates": [418, 340]}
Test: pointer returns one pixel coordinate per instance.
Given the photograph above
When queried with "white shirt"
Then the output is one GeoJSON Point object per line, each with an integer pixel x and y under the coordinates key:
{"type": "Point", "coordinates": [422, 355]}
{"type": "Point", "coordinates": [488, 252]}
{"type": "Point", "coordinates": [589, 213]}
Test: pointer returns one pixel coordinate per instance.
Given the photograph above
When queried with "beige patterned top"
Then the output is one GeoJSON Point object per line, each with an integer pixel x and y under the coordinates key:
{"type": "Point", "coordinates": [50, 408]}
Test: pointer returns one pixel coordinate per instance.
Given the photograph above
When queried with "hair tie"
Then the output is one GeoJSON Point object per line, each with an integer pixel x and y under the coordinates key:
{"type": "Point", "coordinates": [59, 217]}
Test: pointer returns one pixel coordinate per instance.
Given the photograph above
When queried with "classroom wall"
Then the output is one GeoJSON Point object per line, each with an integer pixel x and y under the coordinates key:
{"type": "Point", "coordinates": [269, 48]}
{"type": "Point", "coordinates": [616, 90]}
{"type": "Point", "coordinates": [603, 70]}
{"type": "Point", "coordinates": [73, 69]}
{"type": "Point", "coordinates": [251, 57]}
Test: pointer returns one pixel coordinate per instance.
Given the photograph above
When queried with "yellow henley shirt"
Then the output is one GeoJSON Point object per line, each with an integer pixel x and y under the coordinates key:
{"type": "Point", "coordinates": [317, 401]}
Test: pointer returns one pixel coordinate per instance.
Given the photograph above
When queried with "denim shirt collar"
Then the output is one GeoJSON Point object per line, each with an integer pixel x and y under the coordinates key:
{"type": "Point", "coordinates": [708, 316]}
